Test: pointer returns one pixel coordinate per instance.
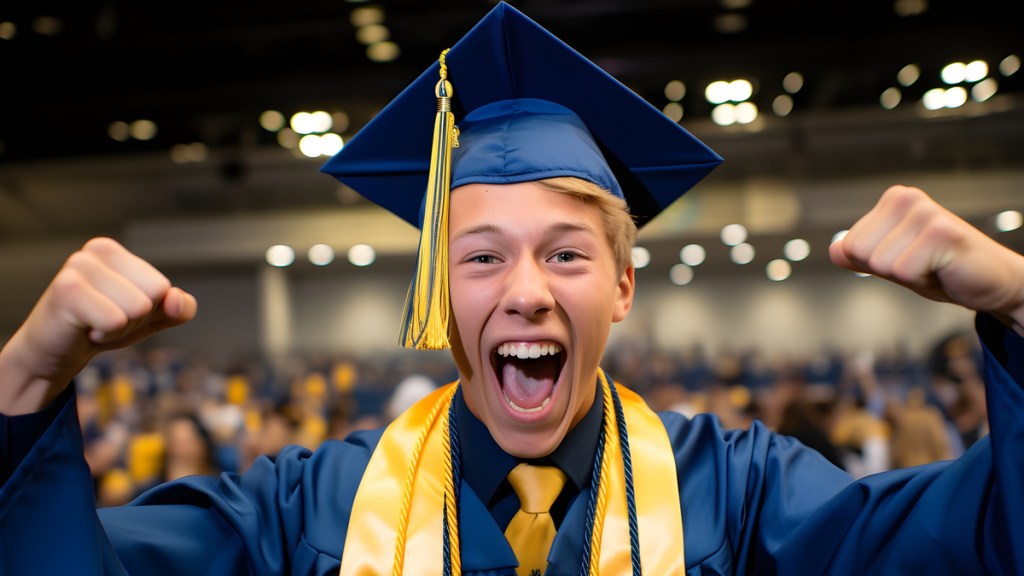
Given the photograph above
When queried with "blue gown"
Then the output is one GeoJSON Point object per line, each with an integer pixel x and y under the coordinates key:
{"type": "Point", "coordinates": [752, 502]}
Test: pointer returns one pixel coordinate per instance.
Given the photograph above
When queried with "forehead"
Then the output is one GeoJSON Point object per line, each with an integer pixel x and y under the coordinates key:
{"type": "Point", "coordinates": [523, 205]}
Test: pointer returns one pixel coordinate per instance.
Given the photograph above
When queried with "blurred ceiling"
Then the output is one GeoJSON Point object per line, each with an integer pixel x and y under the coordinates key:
{"type": "Point", "coordinates": [204, 71]}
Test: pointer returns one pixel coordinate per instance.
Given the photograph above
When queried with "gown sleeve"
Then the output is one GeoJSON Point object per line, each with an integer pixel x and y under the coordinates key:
{"type": "Point", "coordinates": [758, 502]}
{"type": "Point", "coordinates": [267, 521]}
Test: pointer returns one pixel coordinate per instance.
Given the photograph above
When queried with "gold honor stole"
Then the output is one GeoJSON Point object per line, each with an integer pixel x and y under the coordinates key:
{"type": "Point", "coordinates": [376, 544]}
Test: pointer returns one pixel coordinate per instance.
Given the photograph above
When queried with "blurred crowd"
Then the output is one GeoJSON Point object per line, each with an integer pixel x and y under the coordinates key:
{"type": "Point", "coordinates": [152, 415]}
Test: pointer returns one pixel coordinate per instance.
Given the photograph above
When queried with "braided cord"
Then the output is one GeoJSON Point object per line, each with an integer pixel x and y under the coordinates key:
{"type": "Point", "coordinates": [595, 480]}
{"type": "Point", "coordinates": [627, 466]}
{"type": "Point", "coordinates": [598, 504]}
{"type": "Point", "coordinates": [403, 518]}
{"type": "Point", "coordinates": [452, 482]}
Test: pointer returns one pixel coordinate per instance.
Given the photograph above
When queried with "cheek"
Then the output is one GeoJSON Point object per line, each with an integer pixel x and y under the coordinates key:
{"type": "Point", "coordinates": [591, 318]}
{"type": "Point", "coordinates": [465, 314]}
{"type": "Point", "coordinates": [469, 313]}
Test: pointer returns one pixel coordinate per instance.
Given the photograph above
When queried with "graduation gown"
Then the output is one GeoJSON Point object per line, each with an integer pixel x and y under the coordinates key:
{"type": "Point", "coordinates": [752, 502]}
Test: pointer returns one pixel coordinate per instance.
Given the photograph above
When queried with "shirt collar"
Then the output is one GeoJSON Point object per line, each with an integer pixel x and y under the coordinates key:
{"type": "Point", "coordinates": [574, 456]}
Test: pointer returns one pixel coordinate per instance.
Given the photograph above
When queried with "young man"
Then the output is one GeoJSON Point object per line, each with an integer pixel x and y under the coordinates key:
{"type": "Point", "coordinates": [535, 244]}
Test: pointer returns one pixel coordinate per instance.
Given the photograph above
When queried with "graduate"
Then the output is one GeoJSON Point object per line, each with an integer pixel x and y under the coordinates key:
{"type": "Point", "coordinates": [528, 170]}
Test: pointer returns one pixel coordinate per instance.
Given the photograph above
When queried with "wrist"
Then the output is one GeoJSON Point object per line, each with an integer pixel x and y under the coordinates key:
{"type": "Point", "coordinates": [23, 390]}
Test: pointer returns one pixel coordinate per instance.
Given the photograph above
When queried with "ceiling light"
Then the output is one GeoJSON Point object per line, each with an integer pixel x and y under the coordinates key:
{"type": "Point", "coordinates": [717, 92]}
{"type": "Point", "coordinates": [984, 90]}
{"type": "Point", "coordinates": [890, 98]}
{"type": "Point", "coordinates": [693, 255]}
{"type": "Point", "coordinates": [280, 255]}
{"type": "Point", "coordinates": [330, 144]}
{"type": "Point", "coordinates": [320, 254]}
{"type": "Point", "coordinates": [955, 97]}
{"type": "Point", "coordinates": [674, 111]}
{"type": "Point", "coordinates": [740, 90]}
{"type": "Point", "coordinates": [142, 129]}
{"type": "Point", "coordinates": [366, 16]}
{"type": "Point", "coordinates": [382, 51]}
{"type": "Point", "coordinates": [118, 130]}
{"type": "Point", "coordinates": [271, 120]}
{"type": "Point", "coordinates": [302, 123]}
{"type": "Point", "coordinates": [1009, 220]}
{"type": "Point", "coordinates": [797, 249]}
{"type": "Point", "coordinates": [675, 90]}
{"type": "Point", "coordinates": [680, 274]}
{"type": "Point", "coordinates": [8, 30]}
{"type": "Point", "coordinates": [320, 121]}
{"type": "Point", "coordinates": [362, 255]}
{"type": "Point", "coordinates": [934, 98]}
{"type": "Point", "coordinates": [975, 70]}
{"type": "Point", "coordinates": [954, 72]}
{"type": "Point", "coordinates": [641, 257]}
{"type": "Point", "coordinates": [778, 270]}
{"type": "Point", "coordinates": [733, 234]}
{"type": "Point", "coordinates": [1010, 65]}
{"type": "Point", "coordinates": [372, 33]}
{"type": "Point", "coordinates": [908, 75]}
{"type": "Point", "coordinates": [742, 253]}
{"type": "Point", "coordinates": [746, 112]}
{"type": "Point", "coordinates": [782, 105]}
{"type": "Point", "coordinates": [724, 114]}
{"type": "Point", "coordinates": [793, 82]}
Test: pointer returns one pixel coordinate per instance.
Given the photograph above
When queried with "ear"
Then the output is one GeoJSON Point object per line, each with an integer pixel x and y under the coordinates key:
{"type": "Point", "coordinates": [624, 295]}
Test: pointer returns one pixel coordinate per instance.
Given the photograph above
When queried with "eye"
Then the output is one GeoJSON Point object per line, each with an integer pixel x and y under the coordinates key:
{"type": "Point", "coordinates": [565, 257]}
{"type": "Point", "coordinates": [482, 259]}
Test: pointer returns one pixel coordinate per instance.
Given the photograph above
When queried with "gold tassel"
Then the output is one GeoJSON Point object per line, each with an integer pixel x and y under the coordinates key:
{"type": "Point", "coordinates": [428, 306]}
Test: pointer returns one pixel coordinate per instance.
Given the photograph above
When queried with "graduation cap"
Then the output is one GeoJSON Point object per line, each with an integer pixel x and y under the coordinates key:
{"type": "Point", "coordinates": [527, 107]}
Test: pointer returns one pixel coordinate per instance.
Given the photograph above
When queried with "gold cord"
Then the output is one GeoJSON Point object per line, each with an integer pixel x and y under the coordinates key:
{"type": "Point", "coordinates": [414, 461]}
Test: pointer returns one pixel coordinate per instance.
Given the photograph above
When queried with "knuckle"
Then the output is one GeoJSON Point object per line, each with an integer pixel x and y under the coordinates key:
{"type": "Point", "coordinates": [902, 198]}
{"type": "Point", "coordinates": [156, 287]}
{"type": "Point", "coordinates": [67, 283]}
{"type": "Point", "coordinates": [80, 260]}
{"type": "Point", "coordinates": [138, 307]}
{"type": "Point", "coordinates": [101, 245]}
{"type": "Point", "coordinates": [114, 322]}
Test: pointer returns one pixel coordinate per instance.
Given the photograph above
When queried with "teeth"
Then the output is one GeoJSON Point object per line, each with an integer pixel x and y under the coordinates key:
{"type": "Point", "coordinates": [518, 408]}
{"type": "Point", "coordinates": [525, 351]}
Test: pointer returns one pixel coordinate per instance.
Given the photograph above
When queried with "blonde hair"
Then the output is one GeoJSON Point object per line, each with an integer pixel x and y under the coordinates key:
{"type": "Point", "coordinates": [619, 226]}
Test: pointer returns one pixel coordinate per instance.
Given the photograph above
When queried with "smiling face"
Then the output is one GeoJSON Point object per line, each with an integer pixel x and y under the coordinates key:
{"type": "Point", "coordinates": [535, 288]}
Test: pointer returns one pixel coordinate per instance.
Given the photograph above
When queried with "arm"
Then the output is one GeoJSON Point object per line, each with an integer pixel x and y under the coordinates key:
{"type": "Point", "coordinates": [274, 519]}
{"type": "Point", "coordinates": [945, 518]}
{"type": "Point", "coordinates": [104, 297]}
{"type": "Point", "coordinates": [754, 501]}
{"type": "Point", "coordinates": [909, 239]}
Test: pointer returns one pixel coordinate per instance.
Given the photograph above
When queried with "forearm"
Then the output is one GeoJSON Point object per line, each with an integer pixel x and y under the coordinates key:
{"type": "Point", "coordinates": [23, 390]}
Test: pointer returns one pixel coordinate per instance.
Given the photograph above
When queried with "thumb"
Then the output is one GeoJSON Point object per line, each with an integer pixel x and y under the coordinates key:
{"type": "Point", "coordinates": [838, 256]}
{"type": "Point", "coordinates": [178, 307]}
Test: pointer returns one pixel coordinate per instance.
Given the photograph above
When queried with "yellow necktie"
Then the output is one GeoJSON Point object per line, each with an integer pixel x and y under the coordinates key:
{"type": "Point", "coordinates": [532, 530]}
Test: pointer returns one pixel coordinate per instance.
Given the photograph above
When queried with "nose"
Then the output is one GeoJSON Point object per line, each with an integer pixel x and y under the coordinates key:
{"type": "Point", "coordinates": [527, 290]}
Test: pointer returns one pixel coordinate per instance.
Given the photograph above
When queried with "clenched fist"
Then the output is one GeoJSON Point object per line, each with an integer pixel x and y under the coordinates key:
{"type": "Point", "coordinates": [104, 297]}
{"type": "Point", "coordinates": [911, 240]}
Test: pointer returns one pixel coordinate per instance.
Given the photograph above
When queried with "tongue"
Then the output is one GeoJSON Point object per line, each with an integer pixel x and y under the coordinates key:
{"type": "Point", "coordinates": [528, 382]}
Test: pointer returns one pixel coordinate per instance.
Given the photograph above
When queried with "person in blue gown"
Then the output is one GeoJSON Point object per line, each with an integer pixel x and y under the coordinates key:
{"type": "Point", "coordinates": [530, 264]}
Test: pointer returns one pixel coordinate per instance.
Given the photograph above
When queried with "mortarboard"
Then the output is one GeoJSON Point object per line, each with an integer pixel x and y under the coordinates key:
{"type": "Point", "coordinates": [528, 107]}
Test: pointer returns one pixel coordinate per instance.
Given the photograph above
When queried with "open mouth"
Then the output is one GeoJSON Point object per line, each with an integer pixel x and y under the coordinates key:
{"type": "Point", "coordinates": [528, 373]}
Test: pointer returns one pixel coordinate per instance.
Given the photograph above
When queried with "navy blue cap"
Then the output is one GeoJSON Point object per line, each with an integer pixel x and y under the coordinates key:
{"type": "Point", "coordinates": [528, 107]}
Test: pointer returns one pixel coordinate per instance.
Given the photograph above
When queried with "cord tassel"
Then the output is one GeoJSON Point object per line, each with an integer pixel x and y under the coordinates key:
{"type": "Point", "coordinates": [428, 307]}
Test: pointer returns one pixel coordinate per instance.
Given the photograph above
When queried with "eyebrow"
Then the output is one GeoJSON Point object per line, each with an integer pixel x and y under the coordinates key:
{"type": "Point", "coordinates": [554, 229]}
